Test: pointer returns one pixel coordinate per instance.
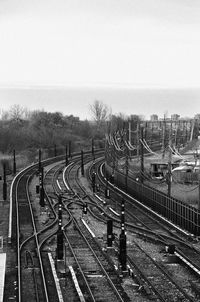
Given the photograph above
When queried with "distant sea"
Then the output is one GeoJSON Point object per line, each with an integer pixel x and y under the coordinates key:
{"type": "Point", "coordinates": [127, 101]}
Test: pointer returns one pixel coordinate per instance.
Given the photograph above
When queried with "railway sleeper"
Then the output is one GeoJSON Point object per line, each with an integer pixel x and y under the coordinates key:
{"type": "Point", "coordinates": [195, 287]}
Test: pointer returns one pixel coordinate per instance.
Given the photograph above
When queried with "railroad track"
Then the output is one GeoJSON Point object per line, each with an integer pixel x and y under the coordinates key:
{"type": "Point", "coordinates": [174, 289]}
{"type": "Point", "coordinates": [98, 278]}
{"type": "Point", "coordinates": [34, 278]}
{"type": "Point", "coordinates": [160, 283]}
{"type": "Point", "coordinates": [31, 280]}
{"type": "Point", "coordinates": [95, 273]}
{"type": "Point", "coordinates": [34, 239]}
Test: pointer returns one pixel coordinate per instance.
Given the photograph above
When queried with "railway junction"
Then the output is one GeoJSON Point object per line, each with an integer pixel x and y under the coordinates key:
{"type": "Point", "coordinates": [83, 228]}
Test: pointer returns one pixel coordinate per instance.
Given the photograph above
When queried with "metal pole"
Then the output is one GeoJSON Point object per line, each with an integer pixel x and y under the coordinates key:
{"type": "Point", "coordinates": [39, 160]}
{"type": "Point", "coordinates": [199, 185]}
{"type": "Point", "coordinates": [176, 130]}
{"type": "Point", "coordinates": [122, 217]}
{"type": "Point", "coordinates": [163, 139]}
{"type": "Point", "coordinates": [126, 176]}
{"type": "Point", "coordinates": [66, 156]}
{"type": "Point", "coordinates": [65, 263]}
{"type": "Point", "coordinates": [93, 181]}
{"type": "Point", "coordinates": [145, 131]}
{"type": "Point", "coordinates": [152, 131]}
{"type": "Point", "coordinates": [129, 132]}
{"type": "Point", "coordinates": [41, 187]}
{"type": "Point", "coordinates": [138, 136]}
{"type": "Point", "coordinates": [82, 164]}
{"type": "Point", "coordinates": [199, 191]}
{"type": "Point", "coordinates": [142, 156]}
{"type": "Point", "coordinates": [14, 162]}
{"type": "Point", "coordinates": [109, 232]}
{"type": "Point", "coordinates": [170, 163]}
{"type": "Point", "coordinates": [122, 239]}
{"type": "Point", "coordinates": [192, 129]}
{"type": "Point", "coordinates": [4, 183]}
{"type": "Point", "coordinates": [69, 148]}
{"type": "Point", "coordinates": [93, 149]}
{"type": "Point", "coordinates": [60, 231]}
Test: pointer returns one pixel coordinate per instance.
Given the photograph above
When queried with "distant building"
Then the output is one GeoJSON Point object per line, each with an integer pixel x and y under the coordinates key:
{"type": "Point", "coordinates": [175, 117]}
{"type": "Point", "coordinates": [154, 118]}
{"type": "Point", "coordinates": [159, 169]}
{"type": "Point", "coordinates": [188, 174]}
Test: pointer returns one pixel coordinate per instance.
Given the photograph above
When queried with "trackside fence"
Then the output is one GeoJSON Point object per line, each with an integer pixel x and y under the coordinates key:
{"type": "Point", "coordinates": [176, 211]}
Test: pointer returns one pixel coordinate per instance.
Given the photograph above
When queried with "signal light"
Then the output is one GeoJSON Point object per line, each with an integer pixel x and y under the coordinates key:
{"type": "Point", "coordinates": [85, 208]}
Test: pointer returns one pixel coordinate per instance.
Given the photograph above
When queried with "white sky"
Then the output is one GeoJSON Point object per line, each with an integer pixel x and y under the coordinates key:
{"type": "Point", "coordinates": [140, 43]}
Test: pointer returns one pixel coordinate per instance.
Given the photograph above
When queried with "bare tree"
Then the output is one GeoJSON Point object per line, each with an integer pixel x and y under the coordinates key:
{"type": "Point", "coordinates": [100, 112]}
{"type": "Point", "coordinates": [16, 112]}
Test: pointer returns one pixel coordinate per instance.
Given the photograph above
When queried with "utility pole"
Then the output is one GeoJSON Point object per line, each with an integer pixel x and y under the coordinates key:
{"type": "Point", "coordinates": [176, 130]}
{"type": "Point", "coordinates": [197, 159]}
{"type": "Point", "coordinates": [14, 162]}
{"type": "Point", "coordinates": [122, 239]}
{"type": "Point", "coordinates": [114, 161]}
{"type": "Point", "coordinates": [66, 156]}
{"type": "Point", "coordinates": [138, 138]}
{"type": "Point", "coordinates": [82, 164]}
{"type": "Point", "coordinates": [152, 128]}
{"type": "Point", "coordinates": [142, 155]}
{"type": "Point", "coordinates": [93, 149]}
{"type": "Point", "coordinates": [183, 134]}
{"type": "Point", "coordinates": [4, 183]}
{"type": "Point", "coordinates": [126, 175]}
{"type": "Point", "coordinates": [41, 177]}
{"type": "Point", "coordinates": [160, 130]}
{"type": "Point", "coordinates": [186, 131]}
{"type": "Point", "coordinates": [199, 190]}
{"type": "Point", "coordinates": [163, 138]}
{"type": "Point", "coordinates": [39, 161]}
{"type": "Point", "coordinates": [145, 131]}
{"type": "Point", "coordinates": [69, 149]}
{"type": "Point", "coordinates": [192, 129]}
{"type": "Point", "coordinates": [60, 231]}
{"type": "Point", "coordinates": [94, 181]}
{"type": "Point", "coordinates": [170, 162]}
{"type": "Point", "coordinates": [109, 232]}
{"type": "Point", "coordinates": [129, 131]}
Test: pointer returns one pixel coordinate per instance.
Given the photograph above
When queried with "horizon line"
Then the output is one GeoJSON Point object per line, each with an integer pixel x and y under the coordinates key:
{"type": "Point", "coordinates": [27, 86]}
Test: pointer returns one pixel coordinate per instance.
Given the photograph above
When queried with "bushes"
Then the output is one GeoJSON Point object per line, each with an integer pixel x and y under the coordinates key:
{"type": "Point", "coordinates": [44, 130]}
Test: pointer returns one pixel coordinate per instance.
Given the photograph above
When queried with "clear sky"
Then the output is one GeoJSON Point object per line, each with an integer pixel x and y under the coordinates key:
{"type": "Point", "coordinates": [134, 43]}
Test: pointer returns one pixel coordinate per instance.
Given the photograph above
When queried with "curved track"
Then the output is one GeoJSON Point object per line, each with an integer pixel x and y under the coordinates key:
{"type": "Point", "coordinates": [31, 279]}
{"type": "Point", "coordinates": [25, 231]}
{"type": "Point", "coordinates": [33, 262]}
{"type": "Point", "coordinates": [174, 291]}
{"type": "Point", "coordinates": [96, 274]}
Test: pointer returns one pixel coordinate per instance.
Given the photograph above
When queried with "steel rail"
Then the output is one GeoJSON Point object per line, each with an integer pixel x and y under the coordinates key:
{"type": "Point", "coordinates": [97, 260]}
{"type": "Point", "coordinates": [175, 238]}
{"type": "Point", "coordinates": [186, 296]}
{"type": "Point", "coordinates": [80, 268]}
{"type": "Point", "coordinates": [14, 208]}
{"type": "Point", "coordinates": [37, 241]}
{"type": "Point", "coordinates": [92, 250]}
{"type": "Point", "coordinates": [88, 244]}
{"type": "Point", "coordinates": [14, 186]}
{"type": "Point", "coordinates": [20, 245]}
